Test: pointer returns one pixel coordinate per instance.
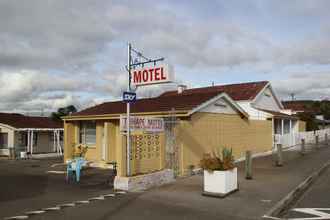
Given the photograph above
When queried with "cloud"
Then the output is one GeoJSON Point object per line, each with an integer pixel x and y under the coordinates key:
{"type": "Point", "coordinates": [304, 86]}
{"type": "Point", "coordinates": [30, 90]}
{"type": "Point", "coordinates": [51, 34]}
{"type": "Point", "coordinates": [221, 42]}
{"type": "Point", "coordinates": [58, 52]}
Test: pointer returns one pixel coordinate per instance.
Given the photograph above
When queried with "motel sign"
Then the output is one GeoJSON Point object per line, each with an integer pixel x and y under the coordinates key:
{"type": "Point", "coordinates": [142, 124]}
{"type": "Point", "coordinates": [152, 75]}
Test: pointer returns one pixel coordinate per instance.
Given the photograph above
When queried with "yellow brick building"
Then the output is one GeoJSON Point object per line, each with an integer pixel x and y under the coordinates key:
{"type": "Point", "coordinates": [197, 121]}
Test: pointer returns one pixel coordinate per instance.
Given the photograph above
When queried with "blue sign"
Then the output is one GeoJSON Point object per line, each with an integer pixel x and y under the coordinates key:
{"type": "Point", "coordinates": [129, 97]}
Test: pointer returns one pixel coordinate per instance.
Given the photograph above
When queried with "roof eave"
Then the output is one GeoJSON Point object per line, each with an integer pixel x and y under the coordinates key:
{"type": "Point", "coordinates": [117, 116]}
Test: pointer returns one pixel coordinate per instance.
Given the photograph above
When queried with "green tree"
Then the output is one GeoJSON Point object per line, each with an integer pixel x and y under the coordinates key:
{"type": "Point", "coordinates": [68, 110]}
{"type": "Point", "coordinates": [309, 118]}
{"type": "Point", "coordinates": [325, 109]}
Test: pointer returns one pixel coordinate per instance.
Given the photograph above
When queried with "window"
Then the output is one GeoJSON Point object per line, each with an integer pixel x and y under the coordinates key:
{"type": "Point", "coordinates": [35, 138]}
{"type": "Point", "coordinates": [3, 140]}
{"type": "Point", "coordinates": [87, 133]}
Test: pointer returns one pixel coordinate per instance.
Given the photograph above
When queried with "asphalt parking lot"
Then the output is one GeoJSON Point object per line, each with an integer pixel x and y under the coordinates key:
{"type": "Point", "coordinates": [35, 184]}
{"type": "Point", "coordinates": [29, 186]}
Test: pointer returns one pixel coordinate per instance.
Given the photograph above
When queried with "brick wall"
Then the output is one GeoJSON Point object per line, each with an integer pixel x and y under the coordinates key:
{"type": "Point", "coordinates": [205, 132]}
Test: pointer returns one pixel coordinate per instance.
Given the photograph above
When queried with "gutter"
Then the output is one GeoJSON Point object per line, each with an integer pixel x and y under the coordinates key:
{"type": "Point", "coordinates": [117, 116]}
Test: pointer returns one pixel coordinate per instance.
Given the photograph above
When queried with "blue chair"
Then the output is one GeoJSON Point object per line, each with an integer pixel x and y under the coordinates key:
{"type": "Point", "coordinates": [75, 166]}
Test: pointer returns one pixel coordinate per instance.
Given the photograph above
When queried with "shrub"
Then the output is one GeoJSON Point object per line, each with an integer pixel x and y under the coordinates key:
{"type": "Point", "coordinates": [80, 150]}
{"type": "Point", "coordinates": [216, 161]}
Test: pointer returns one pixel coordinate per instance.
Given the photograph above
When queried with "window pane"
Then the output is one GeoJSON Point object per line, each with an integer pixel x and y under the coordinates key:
{"type": "Point", "coordinates": [88, 133]}
{"type": "Point", "coordinates": [81, 134]}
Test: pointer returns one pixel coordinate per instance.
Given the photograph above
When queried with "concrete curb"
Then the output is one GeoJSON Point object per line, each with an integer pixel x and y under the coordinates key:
{"type": "Point", "coordinates": [294, 195]}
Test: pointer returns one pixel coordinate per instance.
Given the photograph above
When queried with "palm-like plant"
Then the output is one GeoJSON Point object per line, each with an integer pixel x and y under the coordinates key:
{"type": "Point", "coordinates": [218, 161]}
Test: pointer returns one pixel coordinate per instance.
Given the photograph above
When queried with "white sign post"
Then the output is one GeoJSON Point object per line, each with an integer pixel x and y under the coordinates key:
{"type": "Point", "coordinates": [143, 76]}
{"type": "Point", "coordinates": [128, 134]}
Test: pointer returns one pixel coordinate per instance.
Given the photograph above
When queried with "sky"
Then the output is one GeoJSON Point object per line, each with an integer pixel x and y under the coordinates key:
{"type": "Point", "coordinates": [55, 53]}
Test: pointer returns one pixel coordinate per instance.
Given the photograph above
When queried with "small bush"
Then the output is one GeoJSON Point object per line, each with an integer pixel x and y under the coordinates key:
{"type": "Point", "coordinates": [216, 161]}
{"type": "Point", "coordinates": [80, 150]}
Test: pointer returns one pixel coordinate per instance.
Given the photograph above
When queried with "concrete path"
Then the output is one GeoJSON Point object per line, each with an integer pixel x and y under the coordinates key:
{"type": "Point", "coordinates": [183, 199]}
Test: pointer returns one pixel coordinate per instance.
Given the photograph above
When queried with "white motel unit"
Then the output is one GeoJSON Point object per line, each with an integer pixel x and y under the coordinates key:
{"type": "Point", "coordinates": [29, 135]}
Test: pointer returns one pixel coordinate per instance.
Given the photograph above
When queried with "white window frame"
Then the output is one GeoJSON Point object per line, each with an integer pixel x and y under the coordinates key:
{"type": "Point", "coordinates": [82, 133]}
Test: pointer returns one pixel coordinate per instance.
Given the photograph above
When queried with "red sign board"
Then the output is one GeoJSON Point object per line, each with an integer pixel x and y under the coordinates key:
{"type": "Point", "coordinates": [152, 75]}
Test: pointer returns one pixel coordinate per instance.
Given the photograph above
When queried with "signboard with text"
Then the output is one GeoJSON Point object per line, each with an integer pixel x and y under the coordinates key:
{"type": "Point", "coordinates": [129, 97]}
{"type": "Point", "coordinates": [152, 75]}
{"type": "Point", "coordinates": [142, 124]}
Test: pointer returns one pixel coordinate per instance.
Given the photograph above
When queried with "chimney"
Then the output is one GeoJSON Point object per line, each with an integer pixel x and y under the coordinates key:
{"type": "Point", "coordinates": [181, 88]}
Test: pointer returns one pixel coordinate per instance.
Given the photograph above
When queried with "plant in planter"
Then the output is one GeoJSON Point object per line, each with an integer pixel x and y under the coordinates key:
{"type": "Point", "coordinates": [220, 173]}
{"type": "Point", "coordinates": [76, 164]}
{"type": "Point", "coordinates": [80, 151]}
{"type": "Point", "coordinates": [78, 155]}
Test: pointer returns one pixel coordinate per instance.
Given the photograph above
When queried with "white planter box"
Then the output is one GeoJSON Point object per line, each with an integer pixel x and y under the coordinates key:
{"type": "Point", "coordinates": [23, 154]}
{"type": "Point", "coordinates": [220, 183]}
{"type": "Point", "coordinates": [144, 182]}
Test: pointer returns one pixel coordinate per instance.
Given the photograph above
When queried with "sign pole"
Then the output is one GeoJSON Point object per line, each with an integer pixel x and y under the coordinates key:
{"type": "Point", "coordinates": [130, 96]}
{"type": "Point", "coordinates": [128, 132]}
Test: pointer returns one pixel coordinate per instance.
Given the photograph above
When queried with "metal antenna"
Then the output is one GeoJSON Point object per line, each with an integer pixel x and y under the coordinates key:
{"type": "Point", "coordinates": [292, 96]}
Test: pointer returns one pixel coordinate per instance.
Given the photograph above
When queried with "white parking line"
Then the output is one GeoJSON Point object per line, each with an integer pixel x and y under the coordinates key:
{"type": "Point", "coordinates": [17, 217]}
{"type": "Point", "coordinates": [57, 164]}
{"type": "Point", "coordinates": [58, 207]}
{"type": "Point", "coordinates": [96, 198]}
{"type": "Point", "coordinates": [37, 212]}
{"type": "Point", "coordinates": [56, 172]}
{"type": "Point", "coordinates": [270, 217]}
{"type": "Point", "coordinates": [316, 212]}
{"type": "Point", "coordinates": [82, 202]}
{"type": "Point", "coordinates": [110, 195]}
{"type": "Point", "coordinates": [67, 205]}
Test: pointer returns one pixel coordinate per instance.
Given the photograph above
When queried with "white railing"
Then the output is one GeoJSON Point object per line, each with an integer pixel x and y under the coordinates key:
{"type": "Point", "coordinates": [294, 139]}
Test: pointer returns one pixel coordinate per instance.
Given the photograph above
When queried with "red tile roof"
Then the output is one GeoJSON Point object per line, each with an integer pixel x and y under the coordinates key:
{"type": "Point", "coordinates": [22, 121]}
{"type": "Point", "coordinates": [238, 92]}
{"type": "Point", "coordinates": [185, 101]}
{"type": "Point", "coordinates": [299, 105]}
{"type": "Point", "coordinates": [158, 104]}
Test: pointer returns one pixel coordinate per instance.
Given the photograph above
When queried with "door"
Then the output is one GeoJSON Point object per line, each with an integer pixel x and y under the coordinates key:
{"type": "Point", "coordinates": [3, 140]}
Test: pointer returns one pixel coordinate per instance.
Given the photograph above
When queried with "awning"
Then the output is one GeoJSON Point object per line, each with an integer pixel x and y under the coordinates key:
{"type": "Point", "coordinates": [279, 115]}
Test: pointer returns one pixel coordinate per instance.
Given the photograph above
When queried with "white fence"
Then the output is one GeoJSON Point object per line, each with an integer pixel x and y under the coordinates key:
{"type": "Point", "coordinates": [294, 139]}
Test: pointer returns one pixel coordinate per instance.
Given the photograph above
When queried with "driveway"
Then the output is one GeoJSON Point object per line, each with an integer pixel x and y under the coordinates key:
{"type": "Point", "coordinates": [27, 185]}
